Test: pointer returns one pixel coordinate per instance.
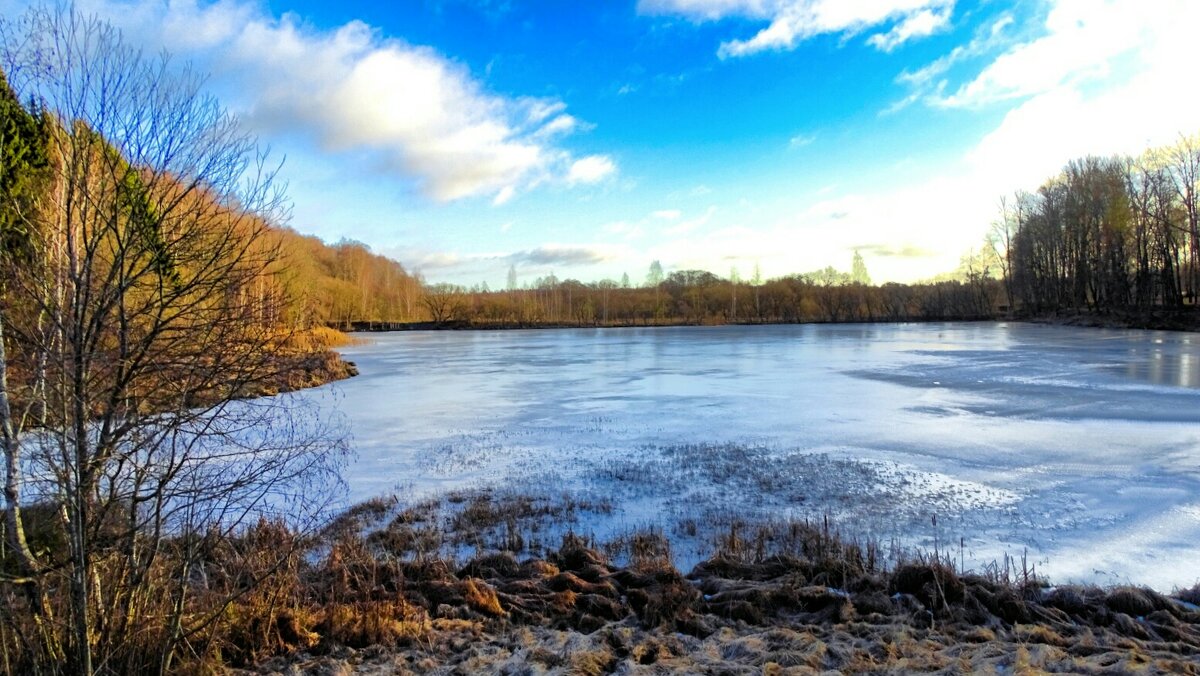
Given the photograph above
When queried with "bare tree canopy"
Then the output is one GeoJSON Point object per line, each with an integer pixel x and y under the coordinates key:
{"type": "Point", "coordinates": [141, 302]}
{"type": "Point", "coordinates": [1108, 234]}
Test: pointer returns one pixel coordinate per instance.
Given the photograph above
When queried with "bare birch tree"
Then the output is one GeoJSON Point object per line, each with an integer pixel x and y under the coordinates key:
{"type": "Point", "coordinates": [142, 315]}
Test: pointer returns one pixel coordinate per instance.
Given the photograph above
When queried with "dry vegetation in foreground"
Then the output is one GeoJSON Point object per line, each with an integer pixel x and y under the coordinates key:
{"type": "Point", "coordinates": [385, 588]}
{"type": "Point", "coordinates": [381, 591]}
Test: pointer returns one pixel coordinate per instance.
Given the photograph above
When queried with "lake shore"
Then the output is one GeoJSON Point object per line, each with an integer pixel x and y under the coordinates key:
{"type": "Point", "coordinates": [304, 360]}
{"type": "Point", "coordinates": [1184, 319]}
{"type": "Point", "coordinates": [1178, 320]}
{"type": "Point", "coordinates": [808, 603]}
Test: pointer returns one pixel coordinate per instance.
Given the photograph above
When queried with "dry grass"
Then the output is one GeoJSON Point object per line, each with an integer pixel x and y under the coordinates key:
{"type": "Point", "coordinates": [319, 338]}
{"type": "Point", "coordinates": [778, 597]}
{"type": "Point", "coordinates": [775, 597]}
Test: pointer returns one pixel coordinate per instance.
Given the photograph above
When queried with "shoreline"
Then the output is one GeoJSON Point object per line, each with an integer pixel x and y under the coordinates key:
{"type": "Point", "coordinates": [1183, 321]}
{"type": "Point", "coordinates": [816, 602]}
{"type": "Point", "coordinates": [1186, 320]}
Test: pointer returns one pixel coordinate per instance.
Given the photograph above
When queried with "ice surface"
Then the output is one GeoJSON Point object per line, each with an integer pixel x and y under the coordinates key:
{"type": "Point", "coordinates": [1079, 445]}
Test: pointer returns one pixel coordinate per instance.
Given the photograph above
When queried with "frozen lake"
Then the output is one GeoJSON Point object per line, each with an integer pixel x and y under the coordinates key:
{"type": "Point", "coordinates": [1081, 446]}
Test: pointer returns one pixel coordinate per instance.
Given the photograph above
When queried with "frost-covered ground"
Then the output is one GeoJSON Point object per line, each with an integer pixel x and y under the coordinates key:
{"type": "Point", "coordinates": [1081, 446]}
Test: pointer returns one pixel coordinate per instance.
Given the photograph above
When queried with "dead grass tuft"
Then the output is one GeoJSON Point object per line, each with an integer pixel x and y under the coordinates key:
{"type": "Point", "coordinates": [367, 623]}
{"type": "Point", "coordinates": [934, 584]}
{"type": "Point", "coordinates": [360, 585]}
{"type": "Point", "coordinates": [592, 662]}
{"type": "Point", "coordinates": [482, 597]}
{"type": "Point", "coordinates": [1134, 601]}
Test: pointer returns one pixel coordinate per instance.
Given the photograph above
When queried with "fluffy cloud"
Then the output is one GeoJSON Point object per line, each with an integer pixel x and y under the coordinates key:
{"type": "Point", "coordinates": [405, 109]}
{"type": "Point", "coordinates": [1081, 41]}
{"type": "Point", "coordinates": [685, 226]}
{"type": "Point", "coordinates": [1075, 44]}
{"type": "Point", "coordinates": [591, 169]}
{"type": "Point", "coordinates": [919, 25]}
{"type": "Point", "coordinates": [460, 267]}
{"type": "Point", "coordinates": [1096, 78]}
{"type": "Point", "coordinates": [987, 39]}
{"type": "Point", "coordinates": [790, 22]}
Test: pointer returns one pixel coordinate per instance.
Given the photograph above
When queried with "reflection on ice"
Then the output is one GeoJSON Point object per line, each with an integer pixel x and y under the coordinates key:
{"type": "Point", "coordinates": [1016, 436]}
{"type": "Point", "coordinates": [1176, 369]}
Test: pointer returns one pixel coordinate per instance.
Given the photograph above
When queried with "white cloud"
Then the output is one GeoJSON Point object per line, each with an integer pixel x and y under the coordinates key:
{"type": "Point", "coordinates": [1098, 78]}
{"type": "Point", "coordinates": [801, 140]}
{"type": "Point", "coordinates": [591, 169]}
{"type": "Point", "coordinates": [710, 10]}
{"type": "Point", "coordinates": [407, 109]}
{"type": "Point", "coordinates": [504, 196]}
{"type": "Point", "coordinates": [563, 124]}
{"type": "Point", "coordinates": [987, 39]}
{"type": "Point", "coordinates": [1082, 41]}
{"type": "Point", "coordinates": [790, 22]}
{"type": "Point", "coordinates": [667, 214]}
{"type": "Point", "coordinates": [437, 261]}
{"type": "Point", "coordinates": [921, 24]}
{"type": "Point", "coordinates": [928, 83]}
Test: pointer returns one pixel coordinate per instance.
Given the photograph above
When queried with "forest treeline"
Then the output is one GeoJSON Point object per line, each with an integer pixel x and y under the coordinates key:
{"type": "Point", "coordinates": [1116, 235]}
{"type": "Point", "coordinates": [340, 284]}
{"type": "Point", "coordinates": [700, 297]}
{"type": "Point", "coordinates": [1107, 235]}
{"type": "Point", "coordinates": [1112, 238]}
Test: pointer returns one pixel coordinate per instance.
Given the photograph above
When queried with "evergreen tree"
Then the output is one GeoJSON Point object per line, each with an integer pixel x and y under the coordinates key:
{"type": "Point", "coordinates": [858, 270]}
{"type": "Point", "coordinates": [655, 276]}
{"type": "Point", "coordinates": [23, 163]}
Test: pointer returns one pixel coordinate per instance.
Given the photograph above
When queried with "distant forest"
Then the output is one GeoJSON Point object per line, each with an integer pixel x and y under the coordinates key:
{"type": "Point", "coordinates": [345, 285]}
{"type": "Point", "coordinates": [700, 297]}
{"type": "Point", "coordinates": [1106, 237]}
{"type": "Point", "coordinates": [1115, 236]}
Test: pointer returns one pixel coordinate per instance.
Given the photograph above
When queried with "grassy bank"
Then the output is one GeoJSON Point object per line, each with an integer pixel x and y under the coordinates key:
{"type": "Point", "coordinates": [307, 359]}
{"type": "Point", "coordinates": [465, 585]}
{"type": "Point", "coordinates": [476, 583]}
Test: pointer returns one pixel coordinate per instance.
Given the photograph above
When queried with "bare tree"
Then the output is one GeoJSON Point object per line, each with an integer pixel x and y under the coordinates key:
{"type": "Point", "coordinates": [143, 316]}
{"type": "Point", "coordinates": [444, 302]}
{"type": "Point", "coordinates": [1000, 240]}
{"type": "Point", "coordinates": [1183, 163]}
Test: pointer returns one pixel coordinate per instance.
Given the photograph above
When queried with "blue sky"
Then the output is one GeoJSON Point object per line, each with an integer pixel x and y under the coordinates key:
{"type": "Point", "coordinates": [589, 138]}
